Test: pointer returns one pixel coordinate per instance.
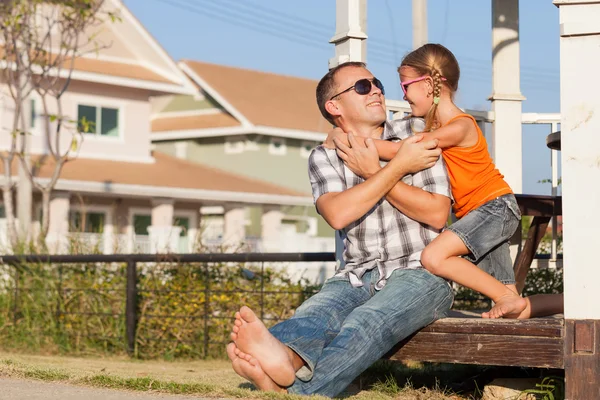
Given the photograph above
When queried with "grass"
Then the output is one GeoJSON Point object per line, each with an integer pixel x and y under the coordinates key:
{"type": "Point", "coordinates": [212, 378]}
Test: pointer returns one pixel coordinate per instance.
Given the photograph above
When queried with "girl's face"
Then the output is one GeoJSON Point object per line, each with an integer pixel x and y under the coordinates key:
{"type": "Point", "coordinates": [418, 90]}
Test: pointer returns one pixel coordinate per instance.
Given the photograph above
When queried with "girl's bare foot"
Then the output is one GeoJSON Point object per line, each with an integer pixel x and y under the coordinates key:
{"type": "Point", "coordinates": [251, 370]}
{"type": "Point", "coordinates": [253, 338]}
{"type": "Point", "coordinates": [510, 305]}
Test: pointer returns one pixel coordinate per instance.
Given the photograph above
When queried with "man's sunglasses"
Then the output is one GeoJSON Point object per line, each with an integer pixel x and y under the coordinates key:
{"type": "Point", "coordinates": [363, 87]}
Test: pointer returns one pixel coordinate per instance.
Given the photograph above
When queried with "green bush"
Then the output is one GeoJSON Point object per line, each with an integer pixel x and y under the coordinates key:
{"type": "Point", "coordinates": [184, 310]}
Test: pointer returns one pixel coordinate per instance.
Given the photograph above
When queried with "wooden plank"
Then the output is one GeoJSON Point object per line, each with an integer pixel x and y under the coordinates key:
{"type": "Point", "coordinates": [539, 205]}
{"type": "Point", "coordinates": [582, 359]}
{"type": "Point", "coordinates": [506, 350]}
{"type": "Point", "coordinates": [542, 327]}
{"type": "Point", "coordinates": [534, 236]}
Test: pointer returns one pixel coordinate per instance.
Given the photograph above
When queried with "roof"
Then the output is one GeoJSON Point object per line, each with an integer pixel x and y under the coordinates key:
{"type": "Point", "coordinates": [219, 120]}
{"type": "Point", "coordinates": [124, 70]}
{"type": "Point", "coordinates": [166, 172]}
{"type": "Point", "coordinates": [265, 99]}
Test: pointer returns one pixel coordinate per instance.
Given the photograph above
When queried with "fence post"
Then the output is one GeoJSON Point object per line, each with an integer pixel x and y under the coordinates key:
{"type": "Point", "coordinates": [206, 307]}
{"type": "Point", "coordinates": [16, 298]}
{"type": "Point", "coordinates": [131, 304]}
{"type": "Point", "coordinates": [262, 291]}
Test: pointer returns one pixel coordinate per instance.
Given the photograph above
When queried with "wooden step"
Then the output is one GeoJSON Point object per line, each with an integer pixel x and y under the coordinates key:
{"type": "Point", "coordinates": [463, 339]}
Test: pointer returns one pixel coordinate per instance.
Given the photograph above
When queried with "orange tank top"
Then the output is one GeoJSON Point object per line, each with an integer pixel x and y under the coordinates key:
{"type": "Point", "coordinates": [473, 176]}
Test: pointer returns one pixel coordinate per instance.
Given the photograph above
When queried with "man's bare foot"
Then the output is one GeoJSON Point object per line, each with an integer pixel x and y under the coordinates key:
{"type": "Point", "coordinates": [236, 326]}
{"type": "Point", "coordinates": [251, 370]}
{"type": "Point", "coordinates": [510, 305]}
{"type": "Point", "coordinates": [253, 338]}
{"type": "Point", "coordinates": [235, 360]}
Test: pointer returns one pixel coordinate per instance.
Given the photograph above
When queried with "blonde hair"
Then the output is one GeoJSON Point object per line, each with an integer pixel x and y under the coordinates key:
{"type": "Point", "coordinates": [438, 62]}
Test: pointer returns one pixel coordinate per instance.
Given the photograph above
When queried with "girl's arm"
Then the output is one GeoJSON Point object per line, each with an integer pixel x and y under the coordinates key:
{"type": "Point", "coordinates": [386, 149]}
{"type": "Point", "coordinates": [459, 133]}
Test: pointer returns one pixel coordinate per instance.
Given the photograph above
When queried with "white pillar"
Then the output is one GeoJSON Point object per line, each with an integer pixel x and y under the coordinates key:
{"type": "Point", "coordinates": [580, 152]}
{"type": "Point", "coordinates": [419, 21]}
{"type": "Point", "coordinates": [234, 231]}
{"type": "Point", "coordinates": [350, 32]}
{"type": "Point", "coordinates": [163, 235]}
{"type": "Point", "coordinates": [271, 228]}
{"type": "Point", "coordinates": [58, 227]}
{"type": "Point", "coordinates": [506, 92]}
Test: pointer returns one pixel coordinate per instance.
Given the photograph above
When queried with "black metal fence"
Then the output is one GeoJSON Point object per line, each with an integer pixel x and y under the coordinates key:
{"type": "Point", "coordinates": [126, 276]}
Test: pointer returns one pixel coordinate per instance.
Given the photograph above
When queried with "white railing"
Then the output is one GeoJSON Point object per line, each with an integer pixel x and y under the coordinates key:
{"type": "Point", "coordinates": [399, 109]}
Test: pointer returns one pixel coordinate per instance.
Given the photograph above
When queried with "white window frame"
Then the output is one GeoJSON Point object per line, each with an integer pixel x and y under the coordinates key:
{"type": "Point", "coordinates": [278, 151]}
{"type": "Point", "coordinates": [101, 102]}
{"type": "Point", "coordinates": [235, 144]}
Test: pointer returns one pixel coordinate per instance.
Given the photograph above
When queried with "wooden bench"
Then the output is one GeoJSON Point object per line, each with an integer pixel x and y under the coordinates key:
{"type": "Point", "coordinates": [466, 338]}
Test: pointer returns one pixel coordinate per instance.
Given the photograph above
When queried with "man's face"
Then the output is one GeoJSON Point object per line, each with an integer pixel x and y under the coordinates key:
{"type": "Point", "coordinates": [354, 107]}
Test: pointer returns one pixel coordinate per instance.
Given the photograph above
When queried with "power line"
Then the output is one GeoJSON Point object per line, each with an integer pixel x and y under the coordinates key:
{"type": "Point", "coordinates": [283, 28]}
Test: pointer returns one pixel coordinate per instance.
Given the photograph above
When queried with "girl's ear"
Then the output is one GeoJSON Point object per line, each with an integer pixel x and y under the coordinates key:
{"type": "Point", "coordinates": [332, 108]}
{"type": "Point", "coordinates": [429, 83]}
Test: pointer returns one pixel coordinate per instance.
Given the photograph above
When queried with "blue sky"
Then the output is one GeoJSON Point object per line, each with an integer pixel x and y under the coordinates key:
{"type": "Point", "coordinates": [291, 37]}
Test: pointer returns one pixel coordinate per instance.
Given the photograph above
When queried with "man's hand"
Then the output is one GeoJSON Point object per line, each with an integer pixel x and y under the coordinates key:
{"type": "Point", "coordinates": [416, 154]}
{"type": "Point", "coordinates": [336, 133]}
{"type": "Point", "coordinates": [362, 159]}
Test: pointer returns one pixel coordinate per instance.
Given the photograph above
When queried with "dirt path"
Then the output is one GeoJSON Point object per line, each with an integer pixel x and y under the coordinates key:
{"type": "Point", "coordinates": [33, 390]}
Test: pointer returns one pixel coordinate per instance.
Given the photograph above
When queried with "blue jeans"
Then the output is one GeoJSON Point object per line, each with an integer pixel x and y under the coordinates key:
{"type": "Point", "coordinates": [342, 330]}
{"type": "Point", "coordinates": [486, 231]}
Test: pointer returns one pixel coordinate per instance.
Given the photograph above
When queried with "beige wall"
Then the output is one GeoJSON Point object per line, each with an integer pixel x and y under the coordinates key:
{"type": "Point", "coordinates": [133, 143]}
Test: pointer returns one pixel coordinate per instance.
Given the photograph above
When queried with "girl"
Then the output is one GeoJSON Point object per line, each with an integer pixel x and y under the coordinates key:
{"type": "Point", "coordinates": [484, 203]}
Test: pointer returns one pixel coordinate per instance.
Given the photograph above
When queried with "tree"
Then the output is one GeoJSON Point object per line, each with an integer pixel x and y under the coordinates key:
{"type": "Point", "coordinates": [41, 42]}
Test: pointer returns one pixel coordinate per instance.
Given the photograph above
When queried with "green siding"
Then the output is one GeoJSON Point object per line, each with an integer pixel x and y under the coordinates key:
{"type": "Point", "coordinates": [290, 170]}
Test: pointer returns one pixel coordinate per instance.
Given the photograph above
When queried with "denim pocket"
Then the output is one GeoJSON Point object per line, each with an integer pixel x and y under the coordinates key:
{"type": "Point", "coordinates": [512, 205]}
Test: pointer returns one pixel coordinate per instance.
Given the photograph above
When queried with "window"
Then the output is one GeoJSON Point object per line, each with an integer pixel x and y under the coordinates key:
{"type": "Point", "coordinates": [141, 224]}
{"type": "Point", "coordinates": [184, 223]}
{"type": "Point", "coordinates": [306, 148]}
{"type": "Point", "coordinates": [101, 121]}
{"type": "Point", "coordinates": [89, 222]}
{"type": "Point", "coordinates": [234, 145]}
{"type": "Point", "coordinates": [277, 146]}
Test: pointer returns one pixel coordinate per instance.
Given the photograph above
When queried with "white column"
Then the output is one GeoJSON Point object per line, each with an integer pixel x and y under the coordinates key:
{"type": "Point", "coordinates": [163, 235]}
{"type": "Point", "coordinates": [58, 227]}
{"type": "Point", "coordinates": [271, 228]}
{"type": "Point", "coordinates": [235, 226]}
{"type": "Point", "coordinates": [419, 21]}
{"type": "Point", "coordinates": [580, 152]}
{"type": "Point", "coordinates": [506, 92]}
{"type": "Point", "coordinates": [350, 32]}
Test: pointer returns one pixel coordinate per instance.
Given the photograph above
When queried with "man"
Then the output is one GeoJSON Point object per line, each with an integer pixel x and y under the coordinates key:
{"type": "Point", "coordinates": [388, 214]}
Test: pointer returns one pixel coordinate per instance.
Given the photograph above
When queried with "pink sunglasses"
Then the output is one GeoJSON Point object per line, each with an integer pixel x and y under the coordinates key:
{"type": "Point", "coordinates": [405, 84]}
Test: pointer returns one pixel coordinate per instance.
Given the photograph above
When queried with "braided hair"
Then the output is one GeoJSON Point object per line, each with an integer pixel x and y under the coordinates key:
{"type": "Point", "coordinates": [440, 64]}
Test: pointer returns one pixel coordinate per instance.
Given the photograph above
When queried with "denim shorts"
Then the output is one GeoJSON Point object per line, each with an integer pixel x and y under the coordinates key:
{"type": "Point", "coordinates": [486, 231]}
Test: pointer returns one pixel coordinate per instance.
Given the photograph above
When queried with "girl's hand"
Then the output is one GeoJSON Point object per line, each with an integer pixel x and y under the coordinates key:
{"type": "Point", "coordinates": [337, 134]}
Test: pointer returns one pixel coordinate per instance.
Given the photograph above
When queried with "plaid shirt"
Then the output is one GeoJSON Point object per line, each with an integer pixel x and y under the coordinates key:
{"type": "Point", "coordinates": [383, 238]}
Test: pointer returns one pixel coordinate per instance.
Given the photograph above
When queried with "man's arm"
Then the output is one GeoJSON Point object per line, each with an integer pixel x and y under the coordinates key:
{"type": "Point", "coordinates": [342, 208]}
{"type": "Point", "coordinates": [427, 201]}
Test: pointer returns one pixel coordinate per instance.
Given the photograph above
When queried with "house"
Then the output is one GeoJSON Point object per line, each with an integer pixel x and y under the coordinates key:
{"type": "Point", "coordinates": [254, 124]}
{"type": "Point", "coordinates": [120, 194]}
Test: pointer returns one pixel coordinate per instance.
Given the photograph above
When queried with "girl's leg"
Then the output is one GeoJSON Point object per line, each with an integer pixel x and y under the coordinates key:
{"type": "Point", "coordinates": [541, 305]}
{"type": "Point", "coordinates": [440, 258]}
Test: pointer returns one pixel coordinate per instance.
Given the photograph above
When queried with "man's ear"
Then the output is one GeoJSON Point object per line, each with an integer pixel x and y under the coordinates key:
{"type": "Point", "coordinates": [332, 108]}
